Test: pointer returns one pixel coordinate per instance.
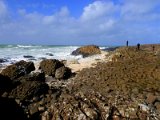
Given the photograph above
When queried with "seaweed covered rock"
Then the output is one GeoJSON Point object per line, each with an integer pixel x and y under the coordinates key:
{"type": "Point", "coordinates": [86, 51]}
{"type": "Point", "coordinates": [18, 69]}
{"type": "Point", "coordinates": [49, 66]}
{"type": "Point", "coordinates": [63, 73]}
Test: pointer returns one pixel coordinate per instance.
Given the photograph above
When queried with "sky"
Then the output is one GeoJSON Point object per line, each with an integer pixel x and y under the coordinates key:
{"type": "Point", "coordinates": [79, 22]}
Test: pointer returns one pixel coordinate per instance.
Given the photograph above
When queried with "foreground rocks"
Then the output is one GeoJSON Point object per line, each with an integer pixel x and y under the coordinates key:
{"type": "Point", "coordinates": [28, 91]}
{"type": "Point", "coordinates": [126, 88]}
{"type": "Point", "coordinates": [63, 73]}
{"type": "Point", "coordinates": [49, 66]}
{"type": "Point", "coordinates": [86, 51]}
{"type": "Point", "coordinates": [18, 69]}
{"type": "Point", "coordinates": [10, 110]}
{"type": "Point", "coordinates": [5, 84]}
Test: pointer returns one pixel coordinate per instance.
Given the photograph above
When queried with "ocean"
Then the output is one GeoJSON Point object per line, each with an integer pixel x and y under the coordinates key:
{"type": "Point", "coordinates": [10, 54]}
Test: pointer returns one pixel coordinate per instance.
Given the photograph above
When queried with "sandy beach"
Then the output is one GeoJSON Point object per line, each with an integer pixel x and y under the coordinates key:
{"type": "Point", "coordinates": [78, 65]}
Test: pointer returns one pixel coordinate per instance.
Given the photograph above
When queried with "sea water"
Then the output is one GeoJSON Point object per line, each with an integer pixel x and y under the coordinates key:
{"type": "Point", "coordinates": [13, 53]}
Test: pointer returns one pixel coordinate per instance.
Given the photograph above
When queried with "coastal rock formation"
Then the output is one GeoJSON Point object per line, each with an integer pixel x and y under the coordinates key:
{"type": "Point", "coordinates": [37, 76]}
{"type": "Point", "coordinates": [86, 51]}
{"type": "Point", "coordinates": [126, 88]}
{"type": "Point", "coordinates": [18, 69]}
{"type": "Point", "coordinates": [49, 66]}
{"type": "Point", "coordinates": [28, 90]}
{"type": "Point", "coordinates": [63, 73]}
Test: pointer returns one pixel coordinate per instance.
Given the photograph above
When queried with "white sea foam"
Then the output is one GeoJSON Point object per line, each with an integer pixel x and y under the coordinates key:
{"type": "Point", "coordinates": [14, 53]}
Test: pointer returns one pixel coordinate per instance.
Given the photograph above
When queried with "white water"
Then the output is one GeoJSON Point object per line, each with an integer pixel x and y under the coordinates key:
{"type": "Point", "coordinates": [14, 53]}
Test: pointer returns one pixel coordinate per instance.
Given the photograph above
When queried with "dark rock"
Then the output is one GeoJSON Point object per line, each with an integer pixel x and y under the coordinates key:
{"type": "Point", "coordinates": [5, 84]}
{"type": "Point", "coordinates": [110, 49]}
{"type": "Point", "coordinates": [10, 110]}
{"type": "Point", "coordinates": [49, 54]}
{"type": "Point", "coordinates": [28, 66]}
{"type": "Point", "coordinates": [42, 58]}
{"type": "Point", "coordinates": [3, 60]}
{"type": "Point", "coordinates": [32, 59]}
{"type": "Point", "coordinates": [86, 51]}
{"type": "Point", "coordinates": [28, 90]}
{"type": "Point", "coordinates": [37, 76]}
{"type": "Point", "coordinates": [28, 56]}
{"type": "Point", "coordinates": [63, 73]}
{"type": "Point", "coordinates": [18, 69]}
{"type": "Point", "coordinates": [49, 66]}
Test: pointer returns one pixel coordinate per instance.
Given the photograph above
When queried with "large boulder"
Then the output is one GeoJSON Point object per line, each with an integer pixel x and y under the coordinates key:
{"type": "Point", "coordinates": [49, 66]}
{"type": "Point", "coordinates": [28, 66]}
{"type": "Point", "coordinates": [18, 69]}
{"type": "Point", "coordinates": [63, 73]}
{"type": "Point", "coordinates": [5, 84]}
{"type": "Point", "coordinates": [28, 90]}
{"type": "Point", "coordinates": [86, 51]}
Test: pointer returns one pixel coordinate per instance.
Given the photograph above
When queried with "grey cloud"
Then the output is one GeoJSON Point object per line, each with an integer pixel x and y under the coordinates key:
{"type": "Point", "coordinates": [100, 23]}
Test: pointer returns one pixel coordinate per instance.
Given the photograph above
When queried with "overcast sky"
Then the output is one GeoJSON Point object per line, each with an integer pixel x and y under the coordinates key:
{"type": "Point", "coordinates": [79, 22]}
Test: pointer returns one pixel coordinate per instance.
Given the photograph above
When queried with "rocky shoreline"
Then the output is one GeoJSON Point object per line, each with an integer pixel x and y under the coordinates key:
{"type": "Point", "coordinates": [125, 87]}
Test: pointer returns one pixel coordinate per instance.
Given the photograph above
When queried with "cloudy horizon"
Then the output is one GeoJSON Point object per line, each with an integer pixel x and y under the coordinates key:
{"type": "Point", "coordinates": [102, 22]}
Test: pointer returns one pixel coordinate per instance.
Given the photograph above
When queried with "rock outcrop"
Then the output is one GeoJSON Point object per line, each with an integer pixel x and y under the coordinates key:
{"type": "Point", "coordinates": [124, 89]}
{"type": "Point", "coordinates": [49, 66]}
{"type": "Point", "coordinates": [86, 51]}
{"type": "Point", "coordinates": [28, 90]}
{"type": "Point", "coordinates": [37, 76]}
{"type": "Point", "coordinates": [18, 69]}
{"type": "Point", "coordinates": [63, 73]}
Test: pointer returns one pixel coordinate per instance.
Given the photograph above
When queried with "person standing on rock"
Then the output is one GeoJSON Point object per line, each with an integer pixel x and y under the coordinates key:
{"type": "Point", "coordinates": [138, 46]}
{"type": "Point", "coordinates": [153, 48]}
{"type": "Point", "coordinates": [127, 43]}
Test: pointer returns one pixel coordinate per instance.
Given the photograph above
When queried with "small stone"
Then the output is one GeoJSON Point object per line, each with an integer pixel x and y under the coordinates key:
{"type": "Point", "coordinates": [157, 105]}
{"type": "Point", "coordinates": [42, 102]}
{"type": "Point", "coordinates": [5, 94]}
{"type": "Point", "coordinates": [151, 98]}
{"type": "Point", "coordinates": [35, 99]}
{"type": "Point", "coordinates": [115, 117]}
{"type": "Point", "coordinates": [33, 110]}
{"type": "Point", "coordinates": [17, 101]}
{"type": "Point", "coordinates": [91, 113]}
{"type": "Point", "coordinates": [41, 109]}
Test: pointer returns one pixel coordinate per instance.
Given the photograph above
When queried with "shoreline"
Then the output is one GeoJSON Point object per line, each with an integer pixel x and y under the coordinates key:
{"type": "Point", "coordinates": [77, 65]}
{"type": "Point", "coordinates": [125, 81]}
